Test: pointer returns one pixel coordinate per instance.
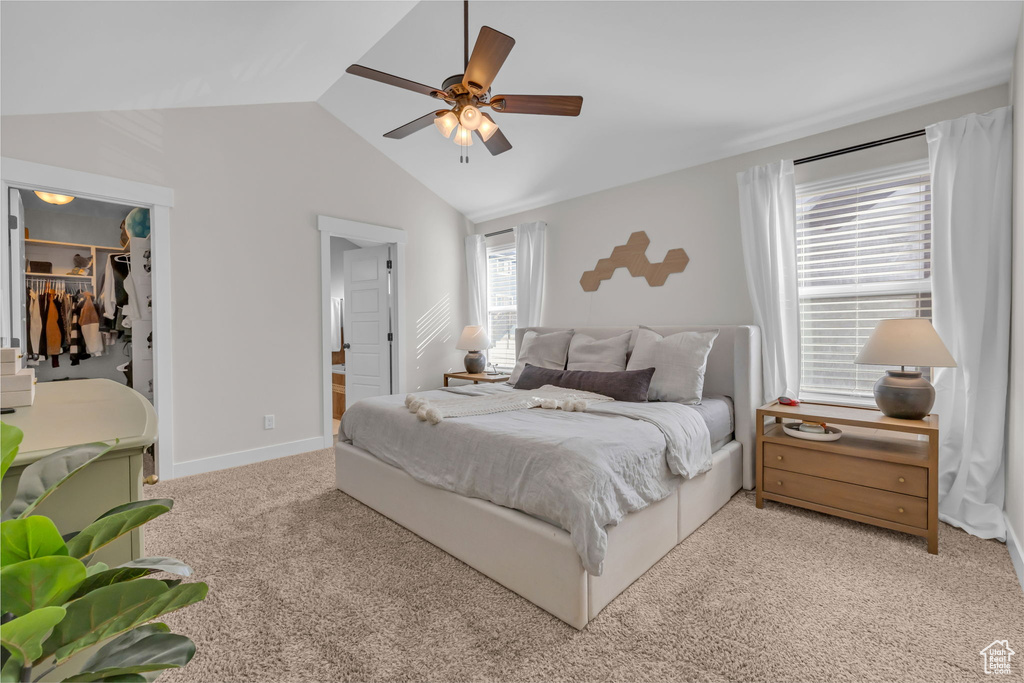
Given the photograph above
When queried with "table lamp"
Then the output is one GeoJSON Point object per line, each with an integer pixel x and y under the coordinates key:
{"type": "Point", "coordinates": [474, 339]}
{"type": "Point", "coordinates": [903, 342]}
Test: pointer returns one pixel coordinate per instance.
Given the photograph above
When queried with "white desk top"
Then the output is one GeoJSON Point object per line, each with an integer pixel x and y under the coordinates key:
{"type": "Point", "coordinates": [82, 411]}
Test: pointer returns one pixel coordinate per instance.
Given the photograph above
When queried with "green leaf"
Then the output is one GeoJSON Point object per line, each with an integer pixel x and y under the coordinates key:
{"type": "Point", "coordinates": [11, 671]}
{"type": "Point", "coordinates": [161, 564]}
{"type": "Point", "coordinates": [109, 578]}
{"type": "Point", "coordinates": [26, 539]}
{"type": "Point", "coordinates": [42, 582]}
{"type": "Point", "coordinates": [134, 653]}
{"type": "Point", "coordinates": [107, 529]}
{"type": "Point", "coordinates": [122, 678]}
{"type": "Point", "coordinates": [136, 504]}
{"type": "Point", "coordinates": [10, 440]}
{"type": "Point", "coordinates": [96, 568]}
{"type": "Point", "coordinates": [23, 637]}
{"type": "Point", "coordinates": [111, 610]}
{"type": "Point", "coordinates": [42, 477]}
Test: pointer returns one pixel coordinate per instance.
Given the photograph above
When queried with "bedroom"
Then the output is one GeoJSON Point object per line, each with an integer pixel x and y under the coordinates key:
{"type": "Point", "coordinates": [253, 148]}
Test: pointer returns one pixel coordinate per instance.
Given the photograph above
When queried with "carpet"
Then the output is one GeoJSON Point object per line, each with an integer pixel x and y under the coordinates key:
{"type": "Point", "coordinates": [307, 584]}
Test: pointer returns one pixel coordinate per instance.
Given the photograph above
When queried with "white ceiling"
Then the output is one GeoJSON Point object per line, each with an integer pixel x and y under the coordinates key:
{"type": "Point", "coordinates": [666, 85]}
{"type": "Point", "coordinates": [94, 56]}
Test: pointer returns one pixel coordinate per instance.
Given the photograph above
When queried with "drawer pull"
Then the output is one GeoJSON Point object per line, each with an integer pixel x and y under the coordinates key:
{"type": "Point", "coordinates": [778, 457]}
{"type": "Point", "coordinates": [150, 480]}
{"type": "Point", "coordinates": [900, 509]}
{"type": "Point", "coordinates": [779, 483]}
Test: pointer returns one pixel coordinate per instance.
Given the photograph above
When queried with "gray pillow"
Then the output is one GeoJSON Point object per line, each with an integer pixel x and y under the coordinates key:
{"type": "Point", "coordinates": [679, 361]}
{"type": "Point", "coordinates": [548, 350]}
{"type": "Point", "coordinates": [602, 355]}
{"type": "Point", "coordinates": [629, 386]}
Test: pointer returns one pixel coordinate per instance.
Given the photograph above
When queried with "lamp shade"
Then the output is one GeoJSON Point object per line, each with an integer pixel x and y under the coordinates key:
{"type": "Point", "coordinates": [474, 338]}
{"type": "Point", "coordinates": [905, 341]}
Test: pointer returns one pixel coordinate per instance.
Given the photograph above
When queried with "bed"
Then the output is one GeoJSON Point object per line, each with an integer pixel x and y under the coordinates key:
{"type": "Point", "coordinates": [536, 558]}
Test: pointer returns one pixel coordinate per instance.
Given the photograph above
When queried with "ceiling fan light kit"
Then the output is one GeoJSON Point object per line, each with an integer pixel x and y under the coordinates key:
{"type": "Point", "coordinates": [469, 92]}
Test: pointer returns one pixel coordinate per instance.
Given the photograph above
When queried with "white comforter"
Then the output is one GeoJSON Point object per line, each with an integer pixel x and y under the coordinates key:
{"type": "Point", "coordinates": [579, 471]}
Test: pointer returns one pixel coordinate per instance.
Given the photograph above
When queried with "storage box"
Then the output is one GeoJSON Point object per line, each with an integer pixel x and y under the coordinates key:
{"type": "Point", "coordinates": [11, 367]}
{"type": "Point", "coordinates": [17, 399]}
{"type": "Point", "coordinates": [20, 381]}
{"type": "Point", "coordinates": [9, 354]}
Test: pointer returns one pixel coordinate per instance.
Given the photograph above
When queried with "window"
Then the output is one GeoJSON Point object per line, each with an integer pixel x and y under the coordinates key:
{"type": "Point", "coordinates": [863, 255]}
{"type": "Point", "coordinates": [501, 305]}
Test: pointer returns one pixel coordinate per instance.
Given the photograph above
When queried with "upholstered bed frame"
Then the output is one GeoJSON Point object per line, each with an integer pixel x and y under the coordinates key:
{"type": "Point", "coordinates": [538, 560]}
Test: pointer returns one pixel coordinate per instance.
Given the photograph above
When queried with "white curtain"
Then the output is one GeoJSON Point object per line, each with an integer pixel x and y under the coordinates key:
{"type": "Point", "coordinates": [476, 277]}
{"type": "Point", "coordinates": [971, 169]}
{"type": "Point", "coordinates": [768, 231]}
{"type": "Point", "coordinates": [530, 248]}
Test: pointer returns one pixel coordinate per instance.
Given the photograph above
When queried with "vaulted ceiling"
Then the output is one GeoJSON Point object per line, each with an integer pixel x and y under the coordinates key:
{"type": "Point", "coordinates": [666, 85]}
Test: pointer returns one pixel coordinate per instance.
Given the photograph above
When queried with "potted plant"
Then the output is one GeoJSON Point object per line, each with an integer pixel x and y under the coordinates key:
{"type": "Point", "coordinates": [56, 601]}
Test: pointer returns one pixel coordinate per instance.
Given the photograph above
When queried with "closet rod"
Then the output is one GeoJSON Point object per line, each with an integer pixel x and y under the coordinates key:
{"type": "Point", "coordinates": [500, 232]}
{"type": "Point", "coordinates": [857, 148]}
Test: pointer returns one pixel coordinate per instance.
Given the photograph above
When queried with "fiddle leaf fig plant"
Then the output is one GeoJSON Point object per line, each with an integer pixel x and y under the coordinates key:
{"type": "Point", "coordinates": [56, 602]}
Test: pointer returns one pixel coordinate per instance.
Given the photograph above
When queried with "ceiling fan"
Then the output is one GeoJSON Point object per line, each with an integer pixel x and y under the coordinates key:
{"type": "Point", "coordinates": [469, 92]}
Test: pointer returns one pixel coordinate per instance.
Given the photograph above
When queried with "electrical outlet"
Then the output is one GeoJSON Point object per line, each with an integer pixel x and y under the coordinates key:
{"type": "Point", "coordinates": [268, 421]}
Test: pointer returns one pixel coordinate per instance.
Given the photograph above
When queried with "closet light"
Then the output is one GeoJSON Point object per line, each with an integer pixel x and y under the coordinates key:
{"type": "Point", "coordinates": [446, 123]}
{"type": "Point", "coordinates": [470, 117]}
{"type": "Point", "coordinates": [463, 137]}
{"type": "Point", "coordinates": [51, 198]}
{"type": "Point", "coordinates": [487, 128]}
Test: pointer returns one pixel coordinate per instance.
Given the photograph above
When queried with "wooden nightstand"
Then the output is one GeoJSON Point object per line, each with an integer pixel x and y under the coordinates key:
{"type": "Point", "coordinates": [881, 471]}
{"type": "Point", "coordinates": [475, 377]}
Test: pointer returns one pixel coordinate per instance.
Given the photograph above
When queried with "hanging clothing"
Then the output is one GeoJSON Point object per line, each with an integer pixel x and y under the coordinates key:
{"type": "Point", "coordinates": [35, 327]}
{"type": "Point", "coordinates": [89, 322]}
{"type": "Point", "coordinates": [53, 335]}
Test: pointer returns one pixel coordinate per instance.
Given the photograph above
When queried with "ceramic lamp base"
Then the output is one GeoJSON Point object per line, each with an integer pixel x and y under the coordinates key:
{"type": "Point", "coordinates": [905, 395]}
{"type": "Point", "coordinates": [475, 362]}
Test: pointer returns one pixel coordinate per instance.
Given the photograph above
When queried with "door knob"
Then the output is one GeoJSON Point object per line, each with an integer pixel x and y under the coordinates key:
{"type": "Point", "coordinates": [346, 345]}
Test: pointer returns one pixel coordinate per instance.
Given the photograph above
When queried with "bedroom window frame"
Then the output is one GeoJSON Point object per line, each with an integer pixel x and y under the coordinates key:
{"type": "Point", "coordinates": [503, 350]}
{"type": "Point", "coordinates": [919, 285]}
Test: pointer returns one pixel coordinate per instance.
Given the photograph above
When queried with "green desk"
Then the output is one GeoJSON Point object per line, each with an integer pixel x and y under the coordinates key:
{"type": "Point", "coordinates": [82, 411]}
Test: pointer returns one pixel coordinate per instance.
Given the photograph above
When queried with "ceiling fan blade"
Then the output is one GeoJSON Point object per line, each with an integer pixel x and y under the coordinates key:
{"type": "Point", "coordinates": [413, 126]}
{"type": "Point", "coordinates": [388, 79]}
{"type": "Point", "coordinates": [497, 143]}
{"type": "Point", "coordinates": [489, 53]}
{"type": "Point", "coordinates": [550, 105]}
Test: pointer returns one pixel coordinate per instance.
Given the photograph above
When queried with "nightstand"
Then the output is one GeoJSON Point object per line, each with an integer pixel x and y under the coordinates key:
{"type": "Point", "coordinates": [882, 471]}
{"type": "Point", "coordinates": [475, 377]}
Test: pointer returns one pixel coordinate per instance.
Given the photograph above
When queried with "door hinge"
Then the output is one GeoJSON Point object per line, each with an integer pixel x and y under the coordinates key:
{"type": "Point", "coordinates": [391, 337]}
{"type": "Point", "coordinates": [12, 224]}
{"type": "Point", "coordinates": [389, 264]}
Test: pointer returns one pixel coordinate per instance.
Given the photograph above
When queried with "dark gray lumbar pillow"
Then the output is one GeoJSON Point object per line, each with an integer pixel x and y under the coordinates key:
{"type": "Point", "coordinates": [627, 385]}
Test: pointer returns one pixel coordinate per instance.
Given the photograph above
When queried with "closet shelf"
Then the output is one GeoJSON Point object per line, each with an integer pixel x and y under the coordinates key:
{"type": "Point", "coordinates": [52, 275]}
{"type": "Point", "coordinates": [49, 243]}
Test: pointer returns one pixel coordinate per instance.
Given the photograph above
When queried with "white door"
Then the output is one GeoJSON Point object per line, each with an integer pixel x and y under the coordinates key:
{"type": "Point", "coordinates": [12, 326]}
{"type": "Point", "coordinates": [367, 323]}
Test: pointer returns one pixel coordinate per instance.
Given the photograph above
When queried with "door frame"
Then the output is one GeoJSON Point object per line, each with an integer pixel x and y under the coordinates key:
{"type": "Point", "coordinates": [28, 175]}
{"type": "Point", "coordinates": [329, 227]}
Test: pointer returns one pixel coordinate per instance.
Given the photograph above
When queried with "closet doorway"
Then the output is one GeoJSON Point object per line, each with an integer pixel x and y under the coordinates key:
{"type": "Point", "coordinates": [91, 252]}
{"type": "Point", "coordinates": [361, 268]}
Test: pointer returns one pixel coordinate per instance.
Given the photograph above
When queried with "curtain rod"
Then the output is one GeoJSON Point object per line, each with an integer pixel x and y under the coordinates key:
{"type": "Point", "coordinates": [500, 232]}
{"type": "Point", "coordinates": [857, 148]}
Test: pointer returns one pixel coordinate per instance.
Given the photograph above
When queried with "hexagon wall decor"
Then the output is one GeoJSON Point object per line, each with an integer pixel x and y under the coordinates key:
{"type": "Point", "coordinates": [633, 256]}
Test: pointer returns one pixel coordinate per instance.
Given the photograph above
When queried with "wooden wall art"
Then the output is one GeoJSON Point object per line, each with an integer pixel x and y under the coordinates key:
{"type": "Point", "coordinates": [633, 256]}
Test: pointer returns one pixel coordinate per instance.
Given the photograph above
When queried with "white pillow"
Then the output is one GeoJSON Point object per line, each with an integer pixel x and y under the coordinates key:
{"type": "Point", "coordinates": [601, 355]}
{"type": "Point", "coordinates": [543, 350]}
{"type": "Point", "coordinates": [679, 361]}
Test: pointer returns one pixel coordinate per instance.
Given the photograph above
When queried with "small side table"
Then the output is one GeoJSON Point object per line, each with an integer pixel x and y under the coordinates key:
{"type": "Point", "coordinates": [882, 471]}
{"type": "Point", "coordinates": [475, 377]}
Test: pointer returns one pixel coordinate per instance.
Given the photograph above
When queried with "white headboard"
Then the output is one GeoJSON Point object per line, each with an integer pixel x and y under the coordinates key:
{"type": "Point", "coordinates": [734, 369]}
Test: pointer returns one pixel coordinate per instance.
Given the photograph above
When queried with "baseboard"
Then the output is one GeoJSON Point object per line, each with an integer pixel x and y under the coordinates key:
{"type": "Point", "coordinates": [227, 460]}
{"type": "Point", "coordinates": [1016, 550]}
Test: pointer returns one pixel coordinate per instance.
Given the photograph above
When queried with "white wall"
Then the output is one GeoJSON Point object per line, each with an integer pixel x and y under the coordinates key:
{"type": "Point", "coordinates": [68, 227]}
{"type": "Point", "coordinates": [697, 209]}
{"type": "Point", "coordinates": [1015, 438]}
{"type": "Point", "coordinates": [249, 182]}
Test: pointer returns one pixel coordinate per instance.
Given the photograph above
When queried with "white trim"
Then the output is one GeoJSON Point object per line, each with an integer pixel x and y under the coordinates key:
{"type": "Point", "coordinates": [32, 176]}
{"type": "Point", "coordinates": [239, 458]}
{"type": "Point", "coordinates": [340, 227]}
{"type": "Point", "coordinates": [1016, 550]}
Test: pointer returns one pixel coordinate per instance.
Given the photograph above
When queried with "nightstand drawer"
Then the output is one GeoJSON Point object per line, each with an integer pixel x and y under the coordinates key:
{"type": "Point", "coordinates": [895, 507]}
{"type": "Point", "coordinates": [863, 471]}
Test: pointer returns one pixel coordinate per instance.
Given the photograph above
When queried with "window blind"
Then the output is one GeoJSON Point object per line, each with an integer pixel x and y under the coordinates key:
{"type": "Point", "coordinates": [501, 305]}
{"type": "Point", "coordinates": [863, 255]}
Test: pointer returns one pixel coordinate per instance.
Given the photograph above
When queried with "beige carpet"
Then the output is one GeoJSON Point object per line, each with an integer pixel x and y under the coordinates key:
{"type": "Point", "coordinates": [308, 584]}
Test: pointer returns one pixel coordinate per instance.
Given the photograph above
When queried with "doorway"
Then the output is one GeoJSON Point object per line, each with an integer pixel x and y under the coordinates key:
{"type": "Point", "coordinates": [362, 283]}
